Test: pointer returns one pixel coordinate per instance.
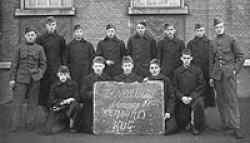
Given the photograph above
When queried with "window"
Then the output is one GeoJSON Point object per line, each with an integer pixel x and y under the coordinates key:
{"type": "Point", "coordinates": [156, 3]}
{"type": "Point", "coordinates": [40, 4]}
{"type": "Point", "coordinates": [45, 7]}
{"type": "Point", "coordinates": [157, 7]}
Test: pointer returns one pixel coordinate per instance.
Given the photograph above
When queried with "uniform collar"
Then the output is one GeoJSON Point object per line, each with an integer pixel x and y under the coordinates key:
{"type": "Point", "coordinates": [114, 39]}
{"type": "Point", "coordinates": [174, 39]}
{"type": "Point", "coordinates": [221, 35]}
{"type": "Point", "coordinates": [183, 69]}
{"type": "Point", "coordinates": [82, 40]}
{"type": "Point", "coordinates": [145, 36]}
{"type": "Point", "coordinates": [160, 76]}
{"type": "Point", "coordinates": [201, 38]}
{"type": "Point", "coordinates": [68, 82]}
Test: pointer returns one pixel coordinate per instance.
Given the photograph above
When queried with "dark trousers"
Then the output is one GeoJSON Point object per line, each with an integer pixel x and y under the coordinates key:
{"type": "Point", "coordinates": [25, 101]}
{"type": "Point", "coordinates": [86, 117]}
{"type": "Point", "coordinates": [59, 120]}
{"type": "Point", "coordinates": [183, 114]}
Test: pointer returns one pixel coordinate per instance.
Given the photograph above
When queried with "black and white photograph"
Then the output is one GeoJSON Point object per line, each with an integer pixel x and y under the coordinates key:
{"type": "Point", "coordinates": [124, 71]}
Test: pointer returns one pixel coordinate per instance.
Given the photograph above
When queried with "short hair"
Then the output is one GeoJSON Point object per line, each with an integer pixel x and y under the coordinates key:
{"type": "Point", "coordinates": [218, 20]}
{"type": "Point", "coordinates": [29, 29]}
{"type": "Point", "coordinates": [50, 19]}
{"type": "Point", "coordinates": [155, 61]}
{"type": "Point", "coordinates": [63, 69]}
{"type": "Point", "coordinates": [166, 25]}
{"type": "Point", "coordinates": [198, 26]}
{"type": "Point", "coordinates": [186, 51]}
{"type": "Point", "coordinates": [127, 59]}
{"type": "Point", "coordinates": [99, 59]}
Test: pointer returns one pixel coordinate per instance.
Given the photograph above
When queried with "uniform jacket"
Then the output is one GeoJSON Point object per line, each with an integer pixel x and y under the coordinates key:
{"type": "Point", "coordinates": [169, 53]}
{"type": "Point", "coordinates": [128, 78]}
{"type": "Point", "coordinates": [79, 56]}
{"type": "Point", "coordinates": [142, 50]}
{"type": "Point", "coordinates": [225, 57]}
{"type": "Point", "coordinates": [112, 49]}
{"type": "Point", "coordinates": [169, 96]}
{"type": "Point", "coordinates": [86, 90]}
{"type": "Point", "coordinates": [60, 91]}
{"type": "Point", "coordinates": [200, 51]}
{"type": "Point", "coordinates": [54, 47]}
{"type": "Point", "coordinates": [188, 82]}
{"type": "Point", "coordinates": [29, 63]}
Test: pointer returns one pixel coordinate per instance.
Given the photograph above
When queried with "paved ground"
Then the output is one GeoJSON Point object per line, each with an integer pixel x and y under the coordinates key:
{"type": "Point", "coordinates": [209, 136]}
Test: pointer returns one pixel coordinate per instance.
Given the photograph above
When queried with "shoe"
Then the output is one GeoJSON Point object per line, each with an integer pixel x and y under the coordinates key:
{"type": "Point", "coordinates": [238, 134]}
{"type": "Point", "coordinates": [194, 131]}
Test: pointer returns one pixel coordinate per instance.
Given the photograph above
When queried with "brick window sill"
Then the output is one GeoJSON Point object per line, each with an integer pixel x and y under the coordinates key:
{"type": "Point", "coordinates": [160, 10]}
{"type": "Point", "coordinates": [45, 12]}
{"type": "Point", "coordinates": [5, 65]}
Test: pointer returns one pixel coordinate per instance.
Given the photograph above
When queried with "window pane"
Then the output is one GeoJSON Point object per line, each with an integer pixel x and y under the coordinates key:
{"type": "Point", "coordinates": [157, 3]}
{"type": "Point", "coordinates": [48, 3]}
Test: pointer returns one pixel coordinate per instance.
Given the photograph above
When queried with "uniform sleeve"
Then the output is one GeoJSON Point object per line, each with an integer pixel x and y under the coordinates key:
{"type": "Point", "coordinates": [200, 86]}
{"type": "Point", "coordinates": [42, 62]}
{"type": "Point", "coordinates": [159, 51]}
{"type": "Point", "coordinates": [181, 48]}
{"type": "Point", "coordinates": [169, 108]}
{"type": "Point", "coordinates": [52, 96]}
{"type": "Point", "coordinates": [178, 93]}
{"type": "Point", "coordinates": [124, 51]}
{"type": "Point", "coordinates": [130, 47]}
{"type": "Point", "coordinates": [238, 55]}
{"type": "Point", "coordinates": [211, 58]}
{"type": "Point", "coordinates": [85, 91]}
{"type": "Point", "coordinates": [63, 52]}
{"type": "Point", "coordinates": [14, 65]}
{"type": "Point", "coordinates": [67, 55]}
{"type": "Point", "coordinates": [76, 94]}
{"type": "Point", "coordinates": [153, 49]}
{"type": "Point", "coordinates": [99, 49]}
{"type": "Point", "coordinates": [189, 45]}
{"type": "Point", "coordinates": [91, 55]}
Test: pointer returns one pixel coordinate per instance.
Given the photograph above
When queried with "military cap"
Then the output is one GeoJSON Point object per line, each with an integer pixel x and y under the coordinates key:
{"type": "Point", "coordinates": [186, 51]}
{"type": "Point", "coordinates": [143, 23]}
{"type": "Point", "coordinates": [127, 59]}
{"type": "Point", "coordinates": [109, 26]}
{"type": "Point", "coordinates": [77, 26]}
{"type": "Point", "coordinates": [63, 69]}
{"type": "Point", "coordinates": [198, 26]}
{"type": "Point", "coordinates": [29, 29]}
{"type": "Point", "coordinates": [166, 25]}
{"type": "Point", "coordinates": [50, 19]}
{"type": "Point", "coordinates": [155, 61]}
{"type": "Point", "coordinates": [99, 59]}
{"type": "Point", "coordinates": [218, 21]}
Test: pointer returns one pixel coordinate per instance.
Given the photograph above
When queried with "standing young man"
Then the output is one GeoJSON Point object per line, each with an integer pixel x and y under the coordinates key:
{"type": "Point", "coordinates": [226, 59]}
{"type": "Point", "coordinates": [79, 55]}
{"type": "Point", "coordinates": [142, 49]}
{"type": "Point", "coordinates": [112, 49]}
{"type": "Point", "coordinates": [200, 46]}
{"type": "Point", "coordinates": [54, 47]}
{"type": "Point", "coordinates": [169, 51]}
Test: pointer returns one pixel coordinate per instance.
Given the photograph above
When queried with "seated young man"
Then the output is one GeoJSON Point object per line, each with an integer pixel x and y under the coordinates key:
{"type": "Point", "coordinates": [63, 101]}
{"type": "Point", "coordinates": [189, 85]}
{"type": "Point", "coordinates": [128, 75]}
{"type": "Point", "coordinates": [87, 92]}
{"type": "Point", "coordinates": [169, 97]}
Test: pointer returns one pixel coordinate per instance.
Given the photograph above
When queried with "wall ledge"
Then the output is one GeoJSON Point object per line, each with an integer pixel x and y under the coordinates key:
{"type": "Point", "coordinates": [159, 10]}
{"type": "Point", "coordinates": [45, 12]}
{"type": "Point", "coordinates": [5, 65]}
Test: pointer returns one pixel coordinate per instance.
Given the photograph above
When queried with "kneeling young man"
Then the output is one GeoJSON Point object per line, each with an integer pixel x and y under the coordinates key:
{"type": "Point", "coordinates": [63, 99]}
{"type": "Point", "coordinates": [189, 85]}
{"type": "Point", "coordinates": [128, 75]}
{"type": "Point", "coordinates": [169, 97]}
{"type": "Point", "coordinates": [87, 92]}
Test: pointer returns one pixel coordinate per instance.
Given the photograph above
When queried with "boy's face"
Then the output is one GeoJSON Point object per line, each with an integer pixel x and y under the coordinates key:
{"type": "Point", "coordinates": [186, 59]}
{"type": "Point", "coordinates": [200, 32]}
{"type": "Point", "coordinates": [63, 77]}
{"type": "Point", "coordinates": [51, 27]}
{"type": "Point", "coordinates": [78, 34]}
{"type": "Point", "coordinates": [154, 69]}
{"type": "Point", "coordinates": [127, 68]}
{"type": "Point", "coordinates": [219, 29]}
{"type": "Point", "coordinates": [30, 37]}
{"type": "Point", "coordinates": [170, 31]}
{"type": "Point", "coordinates": [111, 33]}
{"type": "Point", "coordinates": [140, 29]}
{"type": "Point", "coordinates": [98, 68]}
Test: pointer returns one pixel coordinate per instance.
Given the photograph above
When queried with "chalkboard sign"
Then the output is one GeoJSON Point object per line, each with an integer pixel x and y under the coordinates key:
{"type": "Point", "coordinates": [129, 108]}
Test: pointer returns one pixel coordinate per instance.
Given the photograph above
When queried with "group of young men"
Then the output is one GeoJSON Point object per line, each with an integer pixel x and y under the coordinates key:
{"type": "Point", "coordinates": [66, 74]}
